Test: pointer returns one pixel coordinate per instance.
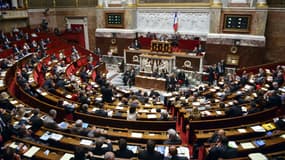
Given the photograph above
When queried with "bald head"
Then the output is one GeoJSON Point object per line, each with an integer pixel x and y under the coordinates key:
{"type": "Point", "coordinates": [109, 156]}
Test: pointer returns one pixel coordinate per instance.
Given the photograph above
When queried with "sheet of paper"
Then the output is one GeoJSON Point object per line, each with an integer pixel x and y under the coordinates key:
{"type": "Point", "coordinates": [257, 156]}
{"type": "Point", "coordinates": [45, 136]}
{"type": "Point", "coordinates": [136, 135]}
{"type": "Point", "coordinates": [232, 144]}
{"type": "Point", "coordinates": [13, 145]}
{"type": "Point", "coordinates": [242, 130]}
{"type": "Point", "coordinates": [258, 128]}
{"type": "Point", "coordinates": [151, 116]}
{"type": "Point", "coordinates": [31, 152]}
{"type": "Point", "coordinates": [247, 145]}
{"type": "Point", "coordinates": [67, 156]}
{"type": "Point", "coordinates": [56, 137]}
{"type": "Point", "coordinates": [86, 142]}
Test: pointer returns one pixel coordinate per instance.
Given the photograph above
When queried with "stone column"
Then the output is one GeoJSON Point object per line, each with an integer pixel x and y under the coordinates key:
{"type": "Point", "coordinates": [14, 3]}
{"type": "Point", "coordinates": [21, 4]}
{"type": "Point", "coordinates": [261, 3]}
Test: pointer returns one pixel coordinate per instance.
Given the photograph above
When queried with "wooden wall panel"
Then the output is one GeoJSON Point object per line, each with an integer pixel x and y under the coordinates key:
{"type": "Point", "coordinates": [249, 56]}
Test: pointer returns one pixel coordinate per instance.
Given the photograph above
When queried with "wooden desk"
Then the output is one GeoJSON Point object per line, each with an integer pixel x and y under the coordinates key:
{"type": "Point", "coordinates": [150, 82]}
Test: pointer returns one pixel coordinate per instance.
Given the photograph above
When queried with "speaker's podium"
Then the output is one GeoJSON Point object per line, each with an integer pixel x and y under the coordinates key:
{"type": "Point", "coordinates": [150, 82]}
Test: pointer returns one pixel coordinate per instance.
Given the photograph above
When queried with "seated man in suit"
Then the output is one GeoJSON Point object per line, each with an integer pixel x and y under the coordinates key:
{"type": "Point", "coordinates": [150, 153]}
{"type": "Point", "coordinates": [100, 111]}
{"type": "Point", "coordinates": [221, 150]}
{"type": "Point", "coordinates": [123, 151]}
{"type": "Point", "coordinates": [78, 129]}
{"type": "Point", "coordinates": [214, 138]}
{"type": "Point", "coordinates": [235, 110]}
{"type": "Point", "coordinates": [99, 149]}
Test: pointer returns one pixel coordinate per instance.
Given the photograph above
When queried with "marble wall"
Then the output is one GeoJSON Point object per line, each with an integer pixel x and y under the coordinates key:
{"type": "Point", "coordinates": [191, 21]}
{"type": "Point", "coordinates": [275, 34]}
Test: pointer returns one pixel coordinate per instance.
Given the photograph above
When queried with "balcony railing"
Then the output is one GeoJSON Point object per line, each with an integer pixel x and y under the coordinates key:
{"type": "Point", "coordinates": [61, 3]}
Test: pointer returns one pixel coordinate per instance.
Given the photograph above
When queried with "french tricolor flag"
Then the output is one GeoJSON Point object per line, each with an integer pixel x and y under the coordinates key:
{"type": "Point", "coordinates": [175, 23]}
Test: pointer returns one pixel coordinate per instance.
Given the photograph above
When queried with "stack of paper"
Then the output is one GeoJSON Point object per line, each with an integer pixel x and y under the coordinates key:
{"type": "Point", "coordinates": [241, 130]}
{"type": "Point", "coordinates": [247, 145]}
{"type": "Point", "coordinates": [56, 137]}
{"type": "Point", "coordinates": [67, 156]}
{"type": "Point", "coordinates": [13, 145]}
{"type": "Point", "coordinates": [258, 128]}
{"type": "Point", "coordinates": [283, 136]}
{"type": "Point", "coordinates": [183, 152]}
{"type": "Point", "coordinates": [31, 152]}
{"type": "Point", "coordinates": [257, 156]}
{"type": "Point", "coordinates": [219, 112]}
{"type": "Point", "coordinates": [86, 142]}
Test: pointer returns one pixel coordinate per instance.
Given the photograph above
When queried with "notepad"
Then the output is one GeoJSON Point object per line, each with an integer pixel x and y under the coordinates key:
{"type": "Point", "coordinates": [67, 156]}
{"type": "Point", "coordinates": [31, 152]}
{"type": "Point", "coordinates": [136, 135]}
{"type": "Point", "coordinates": [232, 144]}
{"type": "Point", "coordinates": [257, 156]}
{"type": "Point", "coordinates": [86, 142]}
{"type": "Point", "coordinates": [258, 129]}
{"type": "Point", "coordinates": [247, 145]}
{"type": "Point", "coordinates": [241, 130]}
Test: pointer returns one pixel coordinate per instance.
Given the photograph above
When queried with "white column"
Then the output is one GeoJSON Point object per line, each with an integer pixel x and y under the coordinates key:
{"type": "Point", "coordinates": [201, 64]}
{"type": "Point", "coordinates": [21, 3]}
{"type": "Point", "coordinates": [100, 3]}
{"type": "Point", "coordinates": [14, 3]}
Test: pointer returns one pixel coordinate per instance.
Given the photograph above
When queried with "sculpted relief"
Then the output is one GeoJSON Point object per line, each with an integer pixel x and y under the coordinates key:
{"type": "Point", "coordinates": [162, 21]}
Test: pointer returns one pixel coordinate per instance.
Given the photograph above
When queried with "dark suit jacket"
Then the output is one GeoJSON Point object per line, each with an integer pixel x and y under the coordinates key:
{"type": "Point", "coordinates": [101, 151]}
{"type": "Point", "coordinates": [145, 155]}
{"type": "Point", "coordinates": [124, 153]}
{"type": "Point", "coordinates": [5, 104]}
{"type": "Point", "coordinates": [177, 158]}
{"type": "Point", "coordinates": [37, 123]}
{"type": "Point", "coordinates": [101, 112]}
{"type": "Point", "coordinates": [107, 95]}
{"type": "Point", "coordinates": [234, 111]}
